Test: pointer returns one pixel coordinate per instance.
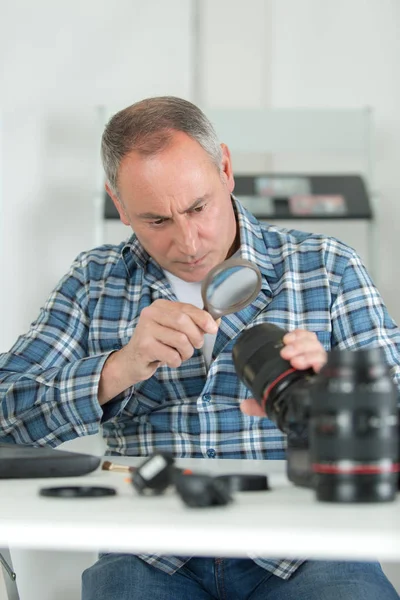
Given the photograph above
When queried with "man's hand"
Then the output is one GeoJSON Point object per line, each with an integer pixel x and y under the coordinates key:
{"type": "Point", "coordinates": [303, 350]}
{"type": "Point", "coordinates": [166, 334]}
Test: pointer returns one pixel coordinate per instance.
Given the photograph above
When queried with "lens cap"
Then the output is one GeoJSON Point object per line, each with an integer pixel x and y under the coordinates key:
{"type": "Point", "coordinates": [77, 491]}
{"type": "Point", "coordinates": [245, 483]}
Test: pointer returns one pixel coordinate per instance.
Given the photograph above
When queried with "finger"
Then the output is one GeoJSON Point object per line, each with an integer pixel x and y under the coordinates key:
{"type": "Point", "coordinates": [314, 360]}
{"type": "Point", "coordinates": [177, 311]}
{"type": "Point", "coordinates": [300, 337]}
{"type": "Point", "coordinates": [153, 321]}
{"type": "Point", "coordinates": [302, 344]}
{"type": "Point", "coordinates": [148, 342]}
{"type": "Point", "coordinates": [177, 340]}
{"type": "Point", "coordinates": [308, 347]}
{"type": "Point", "coordinates": [161, 354]}
{"type": "Point", "coordinates": [251, 407]}
{"type": "Point", "coordinates": [189, 319]}
{"type": "Point", "coordinates": [202, 318]}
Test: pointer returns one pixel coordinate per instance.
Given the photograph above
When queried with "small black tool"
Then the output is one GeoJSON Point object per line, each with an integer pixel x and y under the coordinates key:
{"type": "Point", "coordinates": [202, 490]}
{"type": "Point", "coordinates": [77, 491]}
{"type": "Point", "coordinates": [154, 475]}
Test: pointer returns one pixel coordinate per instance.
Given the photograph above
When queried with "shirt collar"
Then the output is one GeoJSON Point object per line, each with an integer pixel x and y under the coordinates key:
{"type": "Point", "coordinates": [252, 242]}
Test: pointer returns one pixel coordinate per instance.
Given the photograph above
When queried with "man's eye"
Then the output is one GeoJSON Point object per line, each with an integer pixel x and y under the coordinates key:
{"type": "Point", "coordinates": [158, 222]}
{"type": "Point", "coordinates": [200, 208]}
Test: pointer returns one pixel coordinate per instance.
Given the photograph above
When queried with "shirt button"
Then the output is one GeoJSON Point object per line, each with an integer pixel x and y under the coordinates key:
{"type": "Point", "coordinates": [211, 453]}
{"type": "Point", "coordinates": [207, 398]}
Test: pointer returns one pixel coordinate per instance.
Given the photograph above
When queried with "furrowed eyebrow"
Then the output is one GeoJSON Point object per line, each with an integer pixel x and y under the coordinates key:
{"type": "Point", "coordinates": [195, 204]}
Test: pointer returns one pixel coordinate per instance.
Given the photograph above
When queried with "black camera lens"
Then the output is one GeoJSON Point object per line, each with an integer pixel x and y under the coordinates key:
{"type": "Point", "coordinates": [258, 363]}
{"type": "Point", "coordinates": [353, 428]}
{"type": "Point", "coordinates": [341, 425]}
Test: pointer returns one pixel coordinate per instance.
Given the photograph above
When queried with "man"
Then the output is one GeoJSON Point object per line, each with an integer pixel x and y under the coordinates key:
{"type": "Point", "coordinates": [124, 340]}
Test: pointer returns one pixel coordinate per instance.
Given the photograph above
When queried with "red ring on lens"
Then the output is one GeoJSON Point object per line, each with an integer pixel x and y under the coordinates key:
{"type": "Point", "coordinates": [355, 470]}
{"type": "Point", "coordinates": [273, 384]}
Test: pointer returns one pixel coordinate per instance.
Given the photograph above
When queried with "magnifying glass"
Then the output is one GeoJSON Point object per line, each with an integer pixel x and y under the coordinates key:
{"type": "Point", "coordinates": [230, 286]}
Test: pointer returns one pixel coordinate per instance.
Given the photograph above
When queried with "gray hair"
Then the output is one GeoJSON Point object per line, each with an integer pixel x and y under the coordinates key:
{"type": "Point", "coordinates": [147, 127]}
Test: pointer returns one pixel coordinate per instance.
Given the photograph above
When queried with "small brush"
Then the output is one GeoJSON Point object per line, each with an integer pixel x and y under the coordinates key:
{"type": "Point", "coordinates": [109, 466]}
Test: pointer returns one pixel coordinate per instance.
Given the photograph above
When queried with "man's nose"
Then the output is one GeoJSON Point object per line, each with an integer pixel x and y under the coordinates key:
{"type": "Point", "coordinates": [186, 238]}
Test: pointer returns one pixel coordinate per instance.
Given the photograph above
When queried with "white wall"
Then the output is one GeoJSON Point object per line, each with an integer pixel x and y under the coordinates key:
{"type": "Point", "coordinates": [347, 54]}
{"type": "Point", "coordinates": [58, 61]}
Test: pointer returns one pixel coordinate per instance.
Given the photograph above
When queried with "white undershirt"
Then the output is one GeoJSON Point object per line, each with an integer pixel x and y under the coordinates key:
{"type": "Point", "coordinates": [190, 292]}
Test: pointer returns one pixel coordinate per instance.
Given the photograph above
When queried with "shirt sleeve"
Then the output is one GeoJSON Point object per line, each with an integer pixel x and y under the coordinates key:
{"type": "Point", "coordinates": [360, 318]}
{"type": "Point", "coordinates": [48, 381]}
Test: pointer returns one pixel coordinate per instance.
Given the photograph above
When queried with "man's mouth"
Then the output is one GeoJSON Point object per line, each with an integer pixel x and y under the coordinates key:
{"type": "Point", "coordinates": [193, 263]}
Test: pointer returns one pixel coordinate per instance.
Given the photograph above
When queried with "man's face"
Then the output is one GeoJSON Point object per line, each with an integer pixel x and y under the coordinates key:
{"type": "Point", "coordinates": [179, 205]}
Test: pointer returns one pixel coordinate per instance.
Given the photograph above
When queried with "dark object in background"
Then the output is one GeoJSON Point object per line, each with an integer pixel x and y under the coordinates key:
{"type": "Point", "coordinates": [77, 491]}
{"type": "Point", "coordinates": [158, 472]}
{"type": "Point", "coordinates": [341, 425]}
{"type": "Point", "coordinates": [245, 483]}
{"type": "Point", "coordinates": [276, 205]}
{"type": "Point", "coordinates": [154, 475]}
{"type": "Point", "coordinates": [18, 462]}
{"type": "Point", "coordinates": [199, 491]}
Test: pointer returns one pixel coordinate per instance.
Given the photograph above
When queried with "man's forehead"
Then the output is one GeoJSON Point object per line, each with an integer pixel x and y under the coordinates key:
{"type": "Point", "coordinates": [180, 153]}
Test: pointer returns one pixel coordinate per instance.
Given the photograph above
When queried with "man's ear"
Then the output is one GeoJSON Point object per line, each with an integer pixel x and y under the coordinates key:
{"type": "Point", "coordinates": [226, 168]}
{"type": "Point", "coordinates": [118, 205]}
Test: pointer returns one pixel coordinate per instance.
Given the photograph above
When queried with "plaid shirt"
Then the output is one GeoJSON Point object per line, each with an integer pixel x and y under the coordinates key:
{"type": "Point", "coordinates": [49, 379]}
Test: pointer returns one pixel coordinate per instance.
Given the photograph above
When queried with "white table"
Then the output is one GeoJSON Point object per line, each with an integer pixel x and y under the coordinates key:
{"type": "Point", "coordinates": [284, 522]}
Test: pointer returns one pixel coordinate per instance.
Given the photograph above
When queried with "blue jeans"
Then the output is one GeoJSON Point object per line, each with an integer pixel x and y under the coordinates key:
{"type": "Point", "coordinates": [126, 577]}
